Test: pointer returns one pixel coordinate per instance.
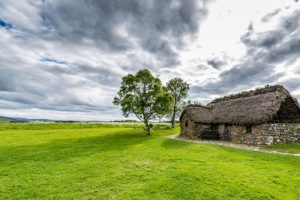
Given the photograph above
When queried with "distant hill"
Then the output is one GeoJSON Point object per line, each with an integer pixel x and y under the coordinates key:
{"type": "Point", "coordinates": [10, 119]}
{"type": "Point", "coordinates": [7, 119]}
{"type": "Point", "coordinates": [19, 119]}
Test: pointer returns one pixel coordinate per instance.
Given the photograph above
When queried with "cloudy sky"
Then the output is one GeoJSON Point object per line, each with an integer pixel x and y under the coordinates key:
{"type": "Point", "coordinates": [65, 59]}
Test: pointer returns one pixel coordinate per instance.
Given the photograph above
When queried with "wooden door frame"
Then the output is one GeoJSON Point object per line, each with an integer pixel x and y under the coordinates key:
{"type": "Point", "coordinates": [228, 131]}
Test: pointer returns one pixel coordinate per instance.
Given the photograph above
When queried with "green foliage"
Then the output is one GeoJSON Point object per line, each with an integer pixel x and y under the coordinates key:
{"type": "Point", "coordinates": [179, 90]}
{"type": "Point", "coordinates": [143, 96]}
{"type": "Point", "coordinates": [194, 103]}
{"type": "Point", "coordinates": [212, 106]}
{"type": "Point", "coordinates": [241, 94]}
{"type": "Point", "coordinates": [72, 161]}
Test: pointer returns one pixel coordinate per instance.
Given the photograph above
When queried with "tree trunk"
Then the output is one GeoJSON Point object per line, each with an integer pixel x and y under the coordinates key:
{"type": "Point", "coordinates": [147, 128]}
{"type": "Point", "coordinates": [173, 117]}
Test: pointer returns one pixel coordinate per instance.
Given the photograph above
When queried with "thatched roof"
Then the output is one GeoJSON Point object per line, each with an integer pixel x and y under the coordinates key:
{"type": "Point", "coordinates": [255, 107]}
{"type": "Point", "coordinates": [198, 114]}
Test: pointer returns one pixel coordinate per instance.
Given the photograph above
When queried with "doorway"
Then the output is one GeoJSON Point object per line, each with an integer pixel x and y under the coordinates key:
{"type": "Point", "coordinates": [228, 132]}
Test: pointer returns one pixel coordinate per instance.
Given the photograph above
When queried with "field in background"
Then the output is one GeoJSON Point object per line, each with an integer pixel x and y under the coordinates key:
{"type": "Point", "coordinates": [82, 125]}
{"type": "Point", "coordinates": [109, 161]}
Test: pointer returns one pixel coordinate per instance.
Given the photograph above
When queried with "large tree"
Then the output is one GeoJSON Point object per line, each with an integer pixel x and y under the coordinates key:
{"type": "Point", "coordinates": [142, 95]}
{"type": "Point", "coordinates": [179, 90]}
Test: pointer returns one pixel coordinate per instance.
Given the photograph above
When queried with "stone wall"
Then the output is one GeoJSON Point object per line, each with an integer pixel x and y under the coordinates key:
{"type": "Point", "coordinates": [193, 129]}
{"type": "Point", "coordinates": [264, 134]}
{"type": "Point", "coordinates": [267, 134]}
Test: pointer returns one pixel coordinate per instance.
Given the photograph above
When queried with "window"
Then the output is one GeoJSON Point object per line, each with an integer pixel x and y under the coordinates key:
{"type": "Point", "coordinates": [248, 129]}
{"type": "Point", "coordinates": [186, 123]}
{"type": "Point", "coordinates": [214, 127]}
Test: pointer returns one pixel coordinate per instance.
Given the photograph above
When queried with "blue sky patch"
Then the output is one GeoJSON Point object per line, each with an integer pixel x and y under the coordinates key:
{"type": "Point", "coordinates": [53, 61]}
{"type": "Point", "coordinates": [4, 24]}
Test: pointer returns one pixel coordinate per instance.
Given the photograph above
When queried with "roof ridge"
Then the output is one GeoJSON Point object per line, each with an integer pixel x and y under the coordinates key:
{"type": "Point", "coordinates": [262, 90]}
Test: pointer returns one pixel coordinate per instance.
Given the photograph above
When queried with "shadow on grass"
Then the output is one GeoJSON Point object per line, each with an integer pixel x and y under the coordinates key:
{"type": "Point", "coordinates": [175, 144]}
{"type": "Point", "coordinates": [66, 149]}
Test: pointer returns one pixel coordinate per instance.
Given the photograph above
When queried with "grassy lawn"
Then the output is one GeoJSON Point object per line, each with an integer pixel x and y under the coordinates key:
{"type": "Point", "coordinates": [101, 161]}
{"type": "Point", "coordinates": [291, 148]}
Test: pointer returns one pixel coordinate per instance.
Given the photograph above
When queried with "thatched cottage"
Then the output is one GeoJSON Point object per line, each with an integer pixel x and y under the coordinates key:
{"type": "Point", "coordinates": [266, 116]}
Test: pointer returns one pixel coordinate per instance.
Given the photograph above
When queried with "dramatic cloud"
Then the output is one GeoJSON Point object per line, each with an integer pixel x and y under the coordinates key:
{"type": "Point", "coordinates": [66, 59]}
{"type": "Point", "coordinates": [265, 51]}
{"type": "Point", "coordinates": [276, 46]}
{"type": "Point", "coordinates": [71, 55]}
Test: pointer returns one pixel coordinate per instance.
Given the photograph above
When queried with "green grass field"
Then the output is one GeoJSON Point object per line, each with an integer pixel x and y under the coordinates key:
{"type": "Point", "coordinates": [290, 148]}
{"type": "Point", "coordinates": [102, 161]}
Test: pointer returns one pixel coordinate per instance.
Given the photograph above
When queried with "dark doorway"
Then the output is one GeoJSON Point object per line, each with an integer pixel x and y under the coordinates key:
{"type": "Point", "coordinates": [228, 132]}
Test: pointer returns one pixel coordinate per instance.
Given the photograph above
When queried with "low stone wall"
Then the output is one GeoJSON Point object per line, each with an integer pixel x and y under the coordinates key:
{"type": "Point", "coordinates": [267, 134]}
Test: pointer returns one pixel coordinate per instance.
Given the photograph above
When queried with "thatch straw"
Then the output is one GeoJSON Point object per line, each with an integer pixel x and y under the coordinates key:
{"type": "Point", "coordinates": [198, 114]}
{"type": "Point", "coordinates": [258, 108]}
{"type": "Point", "coordinates": [250, 110]}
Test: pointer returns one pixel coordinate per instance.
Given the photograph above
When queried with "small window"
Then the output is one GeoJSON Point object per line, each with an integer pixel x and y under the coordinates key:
{"type": "Point", "coordinates": [186, 123]}
{"type": "Point", "coordinates": [248, 129]}
{"type": "Point", "coordinates": [214, 127]}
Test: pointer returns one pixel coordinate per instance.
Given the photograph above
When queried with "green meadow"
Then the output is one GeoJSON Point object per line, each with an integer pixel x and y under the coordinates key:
{"type": "Point", "coordinates": [112, 161]}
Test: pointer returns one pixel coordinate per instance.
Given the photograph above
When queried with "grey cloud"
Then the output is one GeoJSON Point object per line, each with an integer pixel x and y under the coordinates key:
{"type": "Point", "coordinates": [291, 23]}
{"type": "Point", "coordinates": [61, 48]}
{"type": "Point", "coordinates": [276, 46]}
{"type": "Point", "coordinates": [202, 67]}
{"type": "Point", "coordinates": [250, 27]}
{"type": "Point", "coordinates": [291, 84]}
{"type": "Point", "coordinates": [245, 75]}
{"type": "Point", "coordinates": [160, 47]}
{"type": "Point", "coordinates": [93, 75]}
{"type": "Point", "coordinates": [19, 97]}
{"type": "Point", "coordinates": [262, 40]}
{"type": "Point", "coordinates": [287, 52]}
{"type": "Point", "coordinates": [264, 51]}
{"type": "Point", "coordinates": [51, 86]}
{"type": "Point", "coordinates": [147, 22]}
{"type": "Point", "coordinates": [269, 39]}
{"type": "Point", "coordinates": [215, 63]}
{"type": "Point", "coordinates": [269, 16]}
{"type": "Point", "coordinates": [7, 82]}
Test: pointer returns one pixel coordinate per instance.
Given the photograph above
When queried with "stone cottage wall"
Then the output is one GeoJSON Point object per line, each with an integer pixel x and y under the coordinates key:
{"type": "Point", "coordinates": [194, 129]}
{"type": "Point", "coordinates": [267, 134]}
